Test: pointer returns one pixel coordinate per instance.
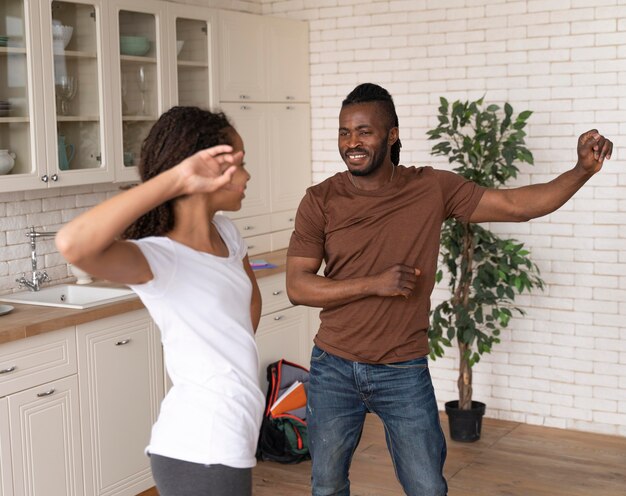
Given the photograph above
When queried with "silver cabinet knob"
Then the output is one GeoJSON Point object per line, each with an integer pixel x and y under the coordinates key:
{"type": "Point", "coordinates": [44, 178]}
{"type": "Point", "coordinates": [54, 177]}
{"type": "Point", "coordinates": [8, 369]}
{"type": "Point", "coordinates": [122, 342]}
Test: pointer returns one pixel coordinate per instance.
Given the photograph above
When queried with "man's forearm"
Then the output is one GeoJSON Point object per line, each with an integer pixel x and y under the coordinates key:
{"type": "Point", "coordinates": [319, 291]}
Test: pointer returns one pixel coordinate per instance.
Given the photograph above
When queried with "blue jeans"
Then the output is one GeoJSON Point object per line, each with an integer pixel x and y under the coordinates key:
{"type": "Point", "coordinates": [342, 392]}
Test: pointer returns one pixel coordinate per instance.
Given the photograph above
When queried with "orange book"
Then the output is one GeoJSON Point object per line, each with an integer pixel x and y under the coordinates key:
{"type": "Point", "coordinates": [291, 399]}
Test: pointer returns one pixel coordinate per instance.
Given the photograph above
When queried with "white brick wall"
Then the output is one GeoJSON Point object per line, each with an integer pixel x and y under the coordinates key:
{"type": "Point", "coordinates": [564, 364]}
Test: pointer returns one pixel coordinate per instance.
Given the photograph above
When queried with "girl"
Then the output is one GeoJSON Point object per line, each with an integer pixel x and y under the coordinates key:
{"type": "Point", "coordinates": [190, 268]}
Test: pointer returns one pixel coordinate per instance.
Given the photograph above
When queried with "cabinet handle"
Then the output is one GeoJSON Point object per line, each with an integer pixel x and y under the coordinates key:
{"type": "Point", "coordinates": [291, 219]}
{"type": "Point", "coordinates": [250, 247]}
{"type": "Point", "coordinates": [122, 342]}
{"type": "Point", "coordinates": [289, 107]}
{"type": "Point", "coordinates": [288, 97]}
{"type": "Point", "coordinates": [8, 369]}
{"type": "Point", "coordinates": [54, 177]}
{"type": "Point", "coordinates": [248, 228]}
{"type": "Point", "coordinates": [279, 317]}
{"type": "Point", "coordinates": [44, 178]}
{"type": "Point", "coordinates": [244, 97]}
{"type": "Point", "coordinates": [245, 107]}
{"type": "Point", "coordinates": [45, 393]}
{"type": "Point", "coordinates": [276, 293]}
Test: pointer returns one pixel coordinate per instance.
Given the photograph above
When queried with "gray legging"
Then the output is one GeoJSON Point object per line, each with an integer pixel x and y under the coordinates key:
{"type": "Point", "coordinates": [179, 478]}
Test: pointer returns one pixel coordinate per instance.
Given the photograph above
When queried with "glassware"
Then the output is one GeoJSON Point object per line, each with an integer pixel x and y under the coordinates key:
{"type": "Point", "coordinates": [124, 85]}
{"type": "Point", "coordinates": [66, 91]}
{"type": "Point", "coordinates": [143, 88]}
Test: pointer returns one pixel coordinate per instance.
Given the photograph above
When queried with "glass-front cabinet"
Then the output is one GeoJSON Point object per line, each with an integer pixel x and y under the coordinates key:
{"type": "Point", "coordinates": [19, 150]}
{"type": "Point", "coordinates": [138, 71]}
{"type": "Point", "coordinates": [191, 31]}
{"type": "Point", "coordinates": [83, 81]}
{"type": "Point", "coordinates": [75, 32]}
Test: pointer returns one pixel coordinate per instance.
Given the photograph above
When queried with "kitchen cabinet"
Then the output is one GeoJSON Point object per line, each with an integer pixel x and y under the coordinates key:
{"type": "Point", "coordinates": [88, 79]}
{"type": "Point", "coordinates": [263, 59]}
{"type": "Point", "coordinates": [192, 31]}
{"type": "Point", "coordinates": [121, 388]}
{"type": "Point", "coordinates": [54, 121]}
{"type": "Point", "coordinates": [264, 89]}
{"type": "Point", "coordinates": [40, 413]}
{"type": "Point", "coordinates": [283, 331]}
{"type": "Point", "coordinates": [6, 466]}
{"type": "Point", "coordinates": [278, 156]}
{"type": "Point", "coordinates": [77, 406]}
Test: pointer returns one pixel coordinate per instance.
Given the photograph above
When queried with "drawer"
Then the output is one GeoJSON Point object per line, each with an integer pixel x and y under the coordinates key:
{"type": "Point", "coordinates": [259, 244]}
{"type": "Point", "coordinates": [274, 293]}
{"type": "Point", "coordinates": [33, 361]}
{"type": "Point", "coordinates": [280, 239]}
{"type": "Point", "coordinates": [283, 220]}
{"type": "Point", "coordinates": [253, 226]}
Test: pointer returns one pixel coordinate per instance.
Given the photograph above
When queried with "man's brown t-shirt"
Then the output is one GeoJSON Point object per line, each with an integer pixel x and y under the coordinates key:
{"type": "Point", "coordinates": [360, 233]}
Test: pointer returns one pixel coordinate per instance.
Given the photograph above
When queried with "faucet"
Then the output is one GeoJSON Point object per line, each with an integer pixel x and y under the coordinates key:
{"type": "Point", "coordinates": [37, 278]}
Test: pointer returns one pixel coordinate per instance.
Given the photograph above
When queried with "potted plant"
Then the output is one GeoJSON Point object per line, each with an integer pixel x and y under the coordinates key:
{"type": "Point", "coordinates": [485, 271]}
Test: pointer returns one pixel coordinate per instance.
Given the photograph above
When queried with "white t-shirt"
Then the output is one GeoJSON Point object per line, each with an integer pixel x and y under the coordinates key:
{"type": "Point", "coordinates": [201, 304]}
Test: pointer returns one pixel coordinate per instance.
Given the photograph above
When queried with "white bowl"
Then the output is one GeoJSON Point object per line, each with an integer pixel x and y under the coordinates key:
{"type": "Point", "coordinates": [62, 33]}
{"type": "Point", "coordinates": [179, 46]}
{"type": "Point", "coordinates": [82, 277]}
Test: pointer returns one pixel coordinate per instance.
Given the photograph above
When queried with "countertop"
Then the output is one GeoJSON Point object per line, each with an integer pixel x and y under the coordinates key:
{"type": "Point", "coordinates": [30, 320]}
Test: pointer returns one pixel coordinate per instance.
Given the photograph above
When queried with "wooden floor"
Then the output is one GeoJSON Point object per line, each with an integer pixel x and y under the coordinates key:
{"type": "Point", "coordinates": [510, 459]}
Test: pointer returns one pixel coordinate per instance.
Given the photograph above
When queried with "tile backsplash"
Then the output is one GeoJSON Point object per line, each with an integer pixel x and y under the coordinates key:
{"type": "Point", "coordinates": [46, 210]}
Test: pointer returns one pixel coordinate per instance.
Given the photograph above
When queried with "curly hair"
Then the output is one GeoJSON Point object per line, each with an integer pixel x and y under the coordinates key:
{"type": "Point", "coordinates": [370, 92]}
{"type": "Point", "coordinates": [179, 133]}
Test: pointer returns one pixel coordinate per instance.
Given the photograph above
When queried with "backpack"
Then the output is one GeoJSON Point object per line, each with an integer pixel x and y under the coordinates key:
{"type": "Point", "coordinates": [283, 437]}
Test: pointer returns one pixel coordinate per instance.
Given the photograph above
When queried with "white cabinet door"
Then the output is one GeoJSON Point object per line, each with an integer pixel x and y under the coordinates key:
{"type": "Point", "coordinates": [283, 334]}
{"type": "Point", "coordinates": [288, 60]}
{"type": "Point", "coordinates": [6, 467]}
{"type": "Point", "coordinates": [250, 120]}
{"type": "Point", "coordinates": [121, 385]}
{"type": "Point", "coordinates": [289, 154]}
{"type": "Point", "coordinates": [74, 40]}
{"type": "Point", "coordinates": [242, 57]}
{"type": "Point", "coordinates": [45, 440]}
{"type": "Point", "coordinates": [22, 127]}
{"type": "Point", "coordinates": [191, 48]}
{"type": "Point", "coordinates": [139, 77]}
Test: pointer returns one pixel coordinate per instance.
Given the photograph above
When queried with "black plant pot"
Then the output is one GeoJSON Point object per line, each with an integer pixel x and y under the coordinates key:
{"type": "Point", "coordinates": [465, 425]}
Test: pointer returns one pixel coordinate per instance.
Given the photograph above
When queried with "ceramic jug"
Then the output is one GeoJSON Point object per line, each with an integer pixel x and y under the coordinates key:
{"type": "Point", "coordinates": [7, 161]}
{"type": "Point", "coordinates": [64, 159]}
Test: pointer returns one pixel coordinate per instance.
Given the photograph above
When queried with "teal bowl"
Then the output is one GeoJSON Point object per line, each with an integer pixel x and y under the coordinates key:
{"type": "Point", "coordinates": [134, 45]}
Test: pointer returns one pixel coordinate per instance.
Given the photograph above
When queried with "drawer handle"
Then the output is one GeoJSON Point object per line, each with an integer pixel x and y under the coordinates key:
{"type": "Point", "coordinates": [7, 370]}
{"type": "Point", "coordinates": [279, 317]}
{"type": "Point", "coordinates": [122, 342]}
{"type": "Point", "coordinates": [46, 393]}
{"type": "Point", "coordinates": [244, 97]}
{"type": "Point", "coordinates": [250, 247]}
{"type": "Point", "coordinates": [291, 219]}
{"type": "Point", "coordinates": [289, 97]}
{"type": "Point", "coordinates": [248, 228]}
{"type": "Point", "coordinates": [276, 293]}
{"type": "Point", "coordinates": [245, 107]}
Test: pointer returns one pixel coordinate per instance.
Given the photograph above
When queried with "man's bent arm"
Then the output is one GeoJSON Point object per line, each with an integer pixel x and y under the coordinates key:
{"type": "Point", "coordinates": [305, 287]}
{"type": "Point", "coordinates": [529, 202]}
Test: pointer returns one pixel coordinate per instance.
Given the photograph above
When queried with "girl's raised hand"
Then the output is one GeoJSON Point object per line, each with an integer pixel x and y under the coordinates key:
{"type": "Point", "coordinates": [208, 170]}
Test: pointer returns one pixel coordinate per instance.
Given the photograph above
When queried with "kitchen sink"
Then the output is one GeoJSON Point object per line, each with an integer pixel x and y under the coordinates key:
{"type": "Point", "coordinates": [70, 296]}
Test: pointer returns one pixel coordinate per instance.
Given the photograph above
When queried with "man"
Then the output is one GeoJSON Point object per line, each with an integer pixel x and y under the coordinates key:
{"type": "Point", "coordinates": [377, 227]}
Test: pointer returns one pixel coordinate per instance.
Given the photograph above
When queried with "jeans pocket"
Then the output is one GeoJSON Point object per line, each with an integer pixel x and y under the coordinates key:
{"type": "Point", "coordinates": [318, 354]}
{"type": "Point", "coordinates": [415, 363]}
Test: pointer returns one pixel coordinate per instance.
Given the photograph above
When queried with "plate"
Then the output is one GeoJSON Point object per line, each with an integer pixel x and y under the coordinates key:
{"type": "Point", "coordinates": [4, 309]}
